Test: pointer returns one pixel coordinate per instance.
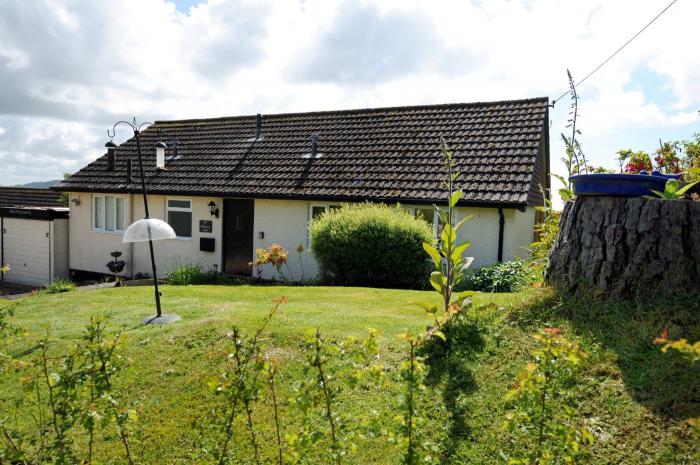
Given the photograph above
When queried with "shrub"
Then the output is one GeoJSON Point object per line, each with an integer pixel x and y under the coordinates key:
{"type": "Point", "coordinates": [60, 285]}
{"type": "Point", "coordinates": [186, 274]}
{"type": "Point", "coordinates": [499, 277]}
{"type": "Point", "coordinates": [371, 245]}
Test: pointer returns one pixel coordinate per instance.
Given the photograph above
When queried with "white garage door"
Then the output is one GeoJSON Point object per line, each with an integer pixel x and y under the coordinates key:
{"type": "Point", "coordinates": [26, 250]}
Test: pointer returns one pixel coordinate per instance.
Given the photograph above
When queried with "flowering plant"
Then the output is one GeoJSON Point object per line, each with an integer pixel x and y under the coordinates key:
{"type": "Point", "coordinates": [4, 269]}
{"type": "Point", "coordinates": [635, 161]}
{"type": "Point", "coordinates": [277, 256]}
{"type": "Point", "coordinates": [667, 159]}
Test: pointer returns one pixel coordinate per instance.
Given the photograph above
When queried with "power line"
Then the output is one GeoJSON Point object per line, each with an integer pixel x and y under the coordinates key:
{"type": "Point", "coordinates": [618, 50]}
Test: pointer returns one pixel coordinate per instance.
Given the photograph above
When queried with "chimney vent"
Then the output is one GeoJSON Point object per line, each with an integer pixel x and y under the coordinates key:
{"type": "Point", "coordinates": [314, 147]}
{"type": "Point", "coordinates": [160, 155]}
{"type": "Point", "coordinates": [314, 144]}
{"type": "Point", "coordinates": [258, 129]}
{"type": "Point", "coordinates": [111, 155]}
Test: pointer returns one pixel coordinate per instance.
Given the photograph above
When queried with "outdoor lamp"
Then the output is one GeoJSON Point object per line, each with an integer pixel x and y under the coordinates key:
{"type": "Point", "coordinates": [213, 210]}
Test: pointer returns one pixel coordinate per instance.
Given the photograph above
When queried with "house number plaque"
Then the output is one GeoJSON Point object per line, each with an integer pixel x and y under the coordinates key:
{"type": "Point", "coordinates": [205, 226]}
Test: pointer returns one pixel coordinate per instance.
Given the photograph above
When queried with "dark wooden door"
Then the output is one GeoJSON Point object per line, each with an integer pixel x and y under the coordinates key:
{"type": "Point", "coordinates": [238, 236]}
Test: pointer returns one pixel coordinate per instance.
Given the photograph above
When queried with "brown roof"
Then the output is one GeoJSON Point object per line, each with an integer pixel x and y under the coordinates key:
{"type": "Point", "coordinates": [382, 154]}
{"type": "Point", "coordinates": [27, 197]}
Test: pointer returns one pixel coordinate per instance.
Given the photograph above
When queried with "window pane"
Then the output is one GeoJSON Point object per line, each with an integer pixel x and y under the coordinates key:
{"type": "Point", "coordinates": [427, 214]}
{"type": "Point", "coordinates": [181, 222]}
{"type": "Point", "coordinates": [317, 211]}
{"type": "Point", "coordinates": [179, 203]}
{"type": "Point", "coordinates": [109, 213]}
{"type": "Point", "coordinates": [98, 215]}
{"type": "Point", "coordinates": [120, 214]}
{"type": "Point", "coordinates": [334, 207]}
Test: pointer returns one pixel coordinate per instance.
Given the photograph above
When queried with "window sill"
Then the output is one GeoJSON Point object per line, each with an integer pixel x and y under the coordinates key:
{"type": "Point", "coordinates": [183, 238]}
{"type": "Point", "coordinates": [104, 231]}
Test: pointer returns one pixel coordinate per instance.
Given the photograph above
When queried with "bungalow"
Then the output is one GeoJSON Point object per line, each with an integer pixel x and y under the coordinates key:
{"type": "Point", "coordinates": [230, 185]}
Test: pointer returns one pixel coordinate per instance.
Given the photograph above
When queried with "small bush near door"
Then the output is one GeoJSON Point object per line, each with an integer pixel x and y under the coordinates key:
{"type": "Point", "coordinates": [186, 274]}
{"type": "Point", "coordinates": [371, 245]}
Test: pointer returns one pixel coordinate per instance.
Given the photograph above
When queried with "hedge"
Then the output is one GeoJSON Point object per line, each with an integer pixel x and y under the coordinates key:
{"type": "Point", "coordinates": [371, 245]}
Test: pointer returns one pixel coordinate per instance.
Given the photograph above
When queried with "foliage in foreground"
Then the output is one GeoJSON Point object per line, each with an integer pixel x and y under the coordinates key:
{"type": "Point", "coordinates": [371, 245]}
{"type": "Point", "coordinates": [543, 420]}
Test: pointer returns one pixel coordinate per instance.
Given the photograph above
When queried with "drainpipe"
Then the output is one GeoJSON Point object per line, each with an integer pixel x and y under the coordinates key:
{"type": "Point", "coordinates": [501, 226]}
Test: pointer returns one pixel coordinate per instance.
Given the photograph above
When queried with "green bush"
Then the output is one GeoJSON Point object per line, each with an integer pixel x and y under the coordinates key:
{"type": "Point", "coordinates": [60, 285]}
{"type": "Point", "coordinates": [186, 274]}
{"type": "Point", "coordinates": [499, 277]}
{"type": "Point", "coordinates": [371, 245]}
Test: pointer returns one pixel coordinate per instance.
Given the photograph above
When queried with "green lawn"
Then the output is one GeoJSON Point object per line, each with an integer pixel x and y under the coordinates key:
{"type": "Point", "coordinates": [633, 398]}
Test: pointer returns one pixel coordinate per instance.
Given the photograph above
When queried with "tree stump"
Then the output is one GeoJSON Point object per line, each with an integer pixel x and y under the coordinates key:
{"type": "Point", "coordinates": [627, 247]}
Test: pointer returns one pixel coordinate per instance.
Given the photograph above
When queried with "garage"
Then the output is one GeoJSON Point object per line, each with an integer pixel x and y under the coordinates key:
{"type": "Point", "coordinates": [34, 243]}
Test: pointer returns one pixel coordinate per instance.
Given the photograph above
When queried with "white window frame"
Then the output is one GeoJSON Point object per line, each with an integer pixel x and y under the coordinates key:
{"type": "Point", "coordinates": [104, 214]}
{"type": "Point", "coordinates": [436, 217]}
{"type": "Point", "coordinates": [168, 209]}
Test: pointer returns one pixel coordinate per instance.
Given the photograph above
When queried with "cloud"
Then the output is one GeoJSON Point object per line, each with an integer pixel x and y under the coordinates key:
{"type": "Point", "coordinates": [363, 45]}
{"type": "Point", "coordinates": [71, 68]}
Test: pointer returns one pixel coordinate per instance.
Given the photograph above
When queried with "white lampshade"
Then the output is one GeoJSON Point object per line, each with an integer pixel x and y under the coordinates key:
{"type": "Point", "coordinates": [148, 229]}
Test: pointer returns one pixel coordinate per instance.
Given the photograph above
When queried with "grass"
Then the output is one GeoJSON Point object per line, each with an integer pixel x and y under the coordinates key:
{"type": "Point", "coordinates": [633, 398]}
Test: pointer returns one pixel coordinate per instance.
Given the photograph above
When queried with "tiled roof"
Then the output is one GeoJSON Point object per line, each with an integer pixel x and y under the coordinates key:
{"type": "Point", "coordinates": [390, 154]}
{"type": "Point", "coordinates": [26, 197]}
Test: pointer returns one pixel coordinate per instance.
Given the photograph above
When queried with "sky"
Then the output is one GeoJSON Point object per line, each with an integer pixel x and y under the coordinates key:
{"type": "Point", "coordinates": [69, 69]}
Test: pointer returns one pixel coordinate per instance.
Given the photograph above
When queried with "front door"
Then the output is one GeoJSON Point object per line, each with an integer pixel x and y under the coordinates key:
{"type": "Point", "coordinates": [238, 236]}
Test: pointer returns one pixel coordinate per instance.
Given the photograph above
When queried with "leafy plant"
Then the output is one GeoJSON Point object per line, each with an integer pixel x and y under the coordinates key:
{"type": "Point", "coordinates": [410, 437]}
{"type": "Point", "coordinates": [543, 416]}
{"type": "Point", "coordinates": [276, 256]}
{"type": "Point", "coordinates": [60, 285]}
{"type": "Point", "coordinates": [575, 159]}
{"type": "Point", "coordinates": [546, 232]}
{"type": "Point", "coordinates": [667, 160]}
{"type": "Point", "coordinates": [371, 245]}
{"type": "Point", "coordinates": [448, 258]}
{"type": "Point", "coordinates": [499, 277]}
{"type": "Point", "coordinates": [673, 190]}
{"type": "Point", "coordinates": [330, 368]}
{"type": "Point", "coordinates": [632, 162]}
{"type": "Point", "coordinates": [79, 400]}
{"type": "Point", "coordinates": [188, 274]}
{"type": "Point", "coordinates": [240, 384]}
{"type": "Point", "coordinates": [690, 161]}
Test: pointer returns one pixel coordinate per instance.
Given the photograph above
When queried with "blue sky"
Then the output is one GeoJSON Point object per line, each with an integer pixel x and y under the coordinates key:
{"type": "Point", "coordinates": [70, 68]}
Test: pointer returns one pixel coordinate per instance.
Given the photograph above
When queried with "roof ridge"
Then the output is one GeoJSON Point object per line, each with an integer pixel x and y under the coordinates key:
{"type": "Point", "coordinates": [23, 188]}
{"type": "Point", "coordinates": [359, 110]}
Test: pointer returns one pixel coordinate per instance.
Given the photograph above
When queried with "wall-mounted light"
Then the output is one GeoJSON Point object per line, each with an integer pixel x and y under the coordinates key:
{"type": "Point", "coordinates": [213, 210]}
{"type": "Point", "coordinates": [75, 202]}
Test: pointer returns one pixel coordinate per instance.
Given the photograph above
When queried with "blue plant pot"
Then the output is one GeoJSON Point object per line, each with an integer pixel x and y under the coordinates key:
{"type": "Point", "coordinates": [619, 185]}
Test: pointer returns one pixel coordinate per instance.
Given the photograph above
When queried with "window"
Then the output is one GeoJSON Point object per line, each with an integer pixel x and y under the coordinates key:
{"type": "Point", "coordinates": [315, 211]}
{"type": "Point", "coordinates": [108, 213]}
{"type": "Point", "coordinates": [179, 213]}
{"type": "Point", "coordinates": [318, 210]}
